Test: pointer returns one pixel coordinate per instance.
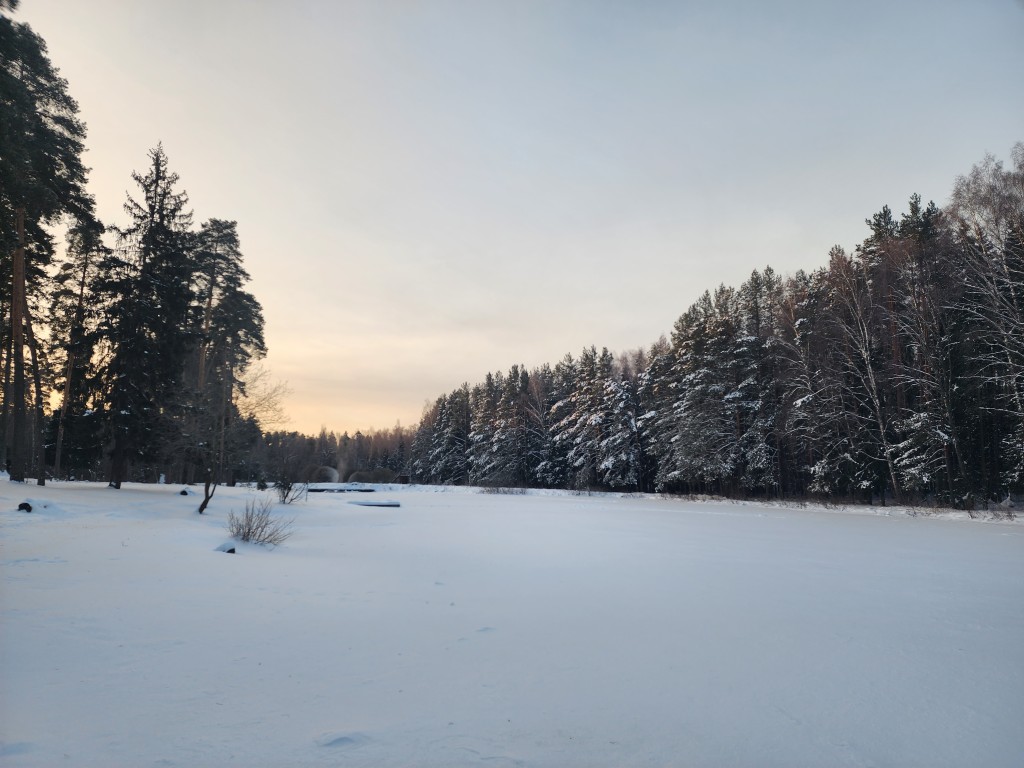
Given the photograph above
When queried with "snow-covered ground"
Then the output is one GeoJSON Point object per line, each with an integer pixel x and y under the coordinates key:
{"type": "Point", "coordinates": [473, 629]}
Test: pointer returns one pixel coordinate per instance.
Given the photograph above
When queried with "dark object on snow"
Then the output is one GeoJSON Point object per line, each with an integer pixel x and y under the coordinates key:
{"type": "Point", "coordinates": [25, 507]}
{"type": "Point", "coordinates": [229, 551]}
{"type": "Point", "coordinates": [341, 489]}
{"type": "Point", "coordinates": [183, 492]}
{"type": "Point", "coordinates": [229, 548]}
{"type": "Point", "coordinates": [381, 503]}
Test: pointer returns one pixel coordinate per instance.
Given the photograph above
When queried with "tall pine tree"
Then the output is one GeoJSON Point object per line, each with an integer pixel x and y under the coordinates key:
{"type": "Point", "coordinates": [41, 179]}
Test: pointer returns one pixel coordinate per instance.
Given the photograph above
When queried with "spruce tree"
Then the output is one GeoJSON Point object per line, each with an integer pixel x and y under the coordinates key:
{"type": "Point", "coordinates": [517, 443]}
{"type": "Point", "coordinates": [447, 459]}
{"type": "Point", "coordinates": [583, 427]}
{"type": "Point", "coordinates": [553, 469]}
{"type": "Point", "coordinates": [619, 457]}
{"type": "Point", "coordinates": [759, 393]}
{"type": "Point", "coordinates": [146, 288]}
{"type": "Point", "coordinates": [484, 411]}
{"type": "Point", "coordinates": [655, 393]}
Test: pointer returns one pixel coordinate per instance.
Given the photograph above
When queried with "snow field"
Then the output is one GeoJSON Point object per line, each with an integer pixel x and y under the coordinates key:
{"type": "Point", "coordinates": [468, 629]}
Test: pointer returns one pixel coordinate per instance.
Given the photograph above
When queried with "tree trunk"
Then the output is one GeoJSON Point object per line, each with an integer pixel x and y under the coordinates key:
{"type": "Point", "coordinates": [69, 370]}
{"type": "Point", "coordinates": [207, 322]}
{"type": "Point", "coordinates": [209, 488]}
{"type": "Point", "coordinates": [5, 411]}
{"type": "Point", "coordinates": [18, 459]}
{"type": "Point", "coordinates": [118, 459]}
{"type": "Point", "coordinates": [63, 414]}
{"type": "Point", "coordinates": [37, 379]}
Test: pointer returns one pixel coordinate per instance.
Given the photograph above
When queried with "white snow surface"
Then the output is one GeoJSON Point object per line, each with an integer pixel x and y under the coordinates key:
{"type": "Point", "coordinates": [468, 629]}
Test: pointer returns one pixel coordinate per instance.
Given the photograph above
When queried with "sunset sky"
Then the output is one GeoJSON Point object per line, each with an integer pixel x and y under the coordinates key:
{"type": "Point", "coordinates": [429, 190]}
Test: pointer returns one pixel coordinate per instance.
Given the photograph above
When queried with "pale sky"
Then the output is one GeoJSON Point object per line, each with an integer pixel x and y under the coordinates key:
{"type": "Point", "coordinates": [427, 191]}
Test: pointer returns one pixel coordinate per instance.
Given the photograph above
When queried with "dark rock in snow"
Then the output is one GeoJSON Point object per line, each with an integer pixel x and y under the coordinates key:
{"type": "Point", "coordinates": [227, 547]}
{"type": "Point", "coordinates": [183, 492]}
{"type": "Point", "coordinates": [25, 507]}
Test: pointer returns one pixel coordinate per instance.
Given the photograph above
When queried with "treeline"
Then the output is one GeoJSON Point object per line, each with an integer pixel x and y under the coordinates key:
{"type": "Point", "coordinates": [373, 456]}
{"type": "Point", "coordinates": [896, 372]}
{"type": "Point", "coordinates": [143, 332]}
{"type": "Point", "coordinates": [893, 373]}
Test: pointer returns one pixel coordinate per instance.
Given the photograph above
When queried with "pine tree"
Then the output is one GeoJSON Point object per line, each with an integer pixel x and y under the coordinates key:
{"type": "Point", "coordinates": [229, 335]}
{"type": "Point", "coordinates": [816, 421]}
{"type": "Point", "coordinates": [73, 331]}
{"type": "Point", "coordinates": [759, 393]}
{"type": "Point", "coordinates": [928, 455]}
{"type": "Point", "coordinates": [41, 179]}
{"type": "Point", "coordinates": [858, 321]}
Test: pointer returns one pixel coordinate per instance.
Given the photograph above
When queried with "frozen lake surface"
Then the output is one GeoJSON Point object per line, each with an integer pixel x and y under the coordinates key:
{"type": "Point", "coordinates": [478, 629]}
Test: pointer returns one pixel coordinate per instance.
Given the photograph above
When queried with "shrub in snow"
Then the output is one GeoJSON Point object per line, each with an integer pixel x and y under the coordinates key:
{"type": "Point", "coordinates": [257, 526]}
{"type": "Point", "coordinates": [289, 491]}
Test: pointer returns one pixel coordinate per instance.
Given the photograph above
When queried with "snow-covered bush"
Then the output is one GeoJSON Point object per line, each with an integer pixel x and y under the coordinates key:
{"type": "Point", "coordinates": [256, 525]}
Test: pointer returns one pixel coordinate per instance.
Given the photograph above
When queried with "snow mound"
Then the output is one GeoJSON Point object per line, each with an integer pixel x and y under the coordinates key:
{"type": "Point", "coordinates": [342, 740]}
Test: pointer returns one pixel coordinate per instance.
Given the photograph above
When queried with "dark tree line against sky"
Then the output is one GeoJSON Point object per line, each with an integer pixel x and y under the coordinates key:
{"type": "Point", "coordinates": [41, 180]}
{"type": "Point", "coordinates": [143, 333]}
{"type": "Point", "coordinates": [892, 373]}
